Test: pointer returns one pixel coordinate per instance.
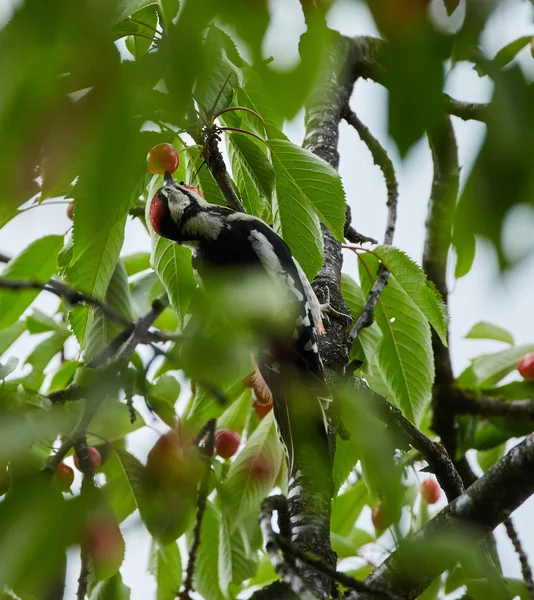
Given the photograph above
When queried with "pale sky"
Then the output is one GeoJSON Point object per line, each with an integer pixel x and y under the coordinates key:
{"type": "Point", "coordinates": [482, 295]}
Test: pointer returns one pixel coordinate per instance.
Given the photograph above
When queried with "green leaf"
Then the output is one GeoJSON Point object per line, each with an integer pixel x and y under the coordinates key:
{"type": "Point", "coordinates": [488, 331]}
{"type": "Point", "coordinates": [515, 390]}
{"type": "Point", "coordinates": [38, 322]}
{"type": "Point", "coordinates": [415, 97]}
{"type": "Point", "coordinates": [300, 225]}
{"type": "Point", "coordinates": [405, 354]}
{"type": "Point", "coordinates": [139, 44]}
{"type": "Point", "coordinates": [489, 369]}
{"type": "Point", "coordinates": [125, 8]}
{"type": "Point", "coordinates": [10, 335]}
{"type": "Point", "coordinates": [487, 458]}
{"type": "Point", "coordinates": [505, 55]}
{"type": "Point", "coordinates": [163, 395]}
{"type": "Point", "coordinates": [63, 376]}
{"type": "Point", "coordinates": [314, 180]}
{"type": "Point", "coordinates": [112, 422]}
{"type": "Point", "coordinates": [172, 263]}
{"type": "Point", "coordinates": [124, 483]}
{"type": "Point", "coordinates": [111, 589]}
{"type": "Point", "coordinates": [503, 175]}
{"type": "Point", "coordinates": [137, 262]}
{"type": "Point", "coordinates": [36, 263]}
{"type": "Point", "coordinates": [214, 86]}
{"type": "Point", "coordinates": [199, 175]}
{"type": "Point", "coordinates": [8, 367]}
{"type": "Point", "coordinates": [415, 283]}
{"type": "Point", "coordinates": [41, 356]}
{"type": "Point", "coordinates": [346, 508]}
{"type": "Point", "coordinates": [206, 581]}
{"type": "Point", "coordinates": [252, 474]}
{"type": "Point", "coordinates": [101, 330]}
{"type": "Point", "coordinates": [165, 564]}
{"type": "Point", "coordinates": [251, 169]}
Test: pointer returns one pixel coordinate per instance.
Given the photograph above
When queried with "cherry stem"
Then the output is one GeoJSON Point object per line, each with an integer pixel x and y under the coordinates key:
{"type": "Point", "coordinates": [238, 130]}
{"type": "Point", "coordinates": [253, 112]}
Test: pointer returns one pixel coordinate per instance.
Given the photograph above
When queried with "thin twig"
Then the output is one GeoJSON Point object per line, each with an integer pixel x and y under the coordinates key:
{"type": "Point", "coordinates": [466, 110]}
{"type": "Point", "coordinates": [207, 448]}
{"type": "Point", "coordinates": [490, 407]}
{"type": "Point", "coordinates": [382, 159]}
{"type": "Point", "coordinates": [4, 258]}
{"type": "Point", "coordinates": [436, 456]}
{"type": "Point", "coordinates": [86, 467]}
{"type": "Point", "coordinates": [521, 554]}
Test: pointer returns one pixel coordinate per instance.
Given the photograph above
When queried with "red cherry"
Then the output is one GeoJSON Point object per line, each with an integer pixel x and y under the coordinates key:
{"type": "Point", "coordinates": [5, 480]}
{"type": "Point", "coordinates": [70, 211]}
{"type": "Point", "coordinates": [64, 475]}
{"type": "Point", "coordinates": [103, 541]}
{"type": "Point", "coordinates": [226, 443]}
{"type": "Point", "coordinates": [194, 189]}
{"type": "Point", "coordinates": [94, 457]}
{"type": "Point", "coordinates": [261, 468]}
{"type": "Point", "coordinates": [430, 491]}
{"type": "Point", "coordinates": [161, 158]}
{"type": "Point", "coordinates": [174, 457]}
{"type": "Point", "coordinates": [380, 517]}
{"type": "Point", "coordinates": [526, 367]}
{"type": "Point", "coordinates": [262, 408]}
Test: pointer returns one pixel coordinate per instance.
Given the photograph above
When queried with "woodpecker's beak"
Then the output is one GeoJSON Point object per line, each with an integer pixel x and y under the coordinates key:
{"type": "Point", "coordinates": [168, 178]}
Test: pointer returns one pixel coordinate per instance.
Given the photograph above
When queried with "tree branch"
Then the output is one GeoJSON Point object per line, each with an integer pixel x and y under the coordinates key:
{"type": "Point", "coordinates": [380, 158]}
{"type": "Point", "coordinates": [453, 533]}
{"type": "Point", "coordinates": [523, 559]}
{"type": "Point", "coordinates": [466, 110]}
{"type": "Point", "coordinates": [215, 162]}
{"type": "Point", "coordinates": [490, 407]}
{"type": "Point", "coordinates": [208, 436]}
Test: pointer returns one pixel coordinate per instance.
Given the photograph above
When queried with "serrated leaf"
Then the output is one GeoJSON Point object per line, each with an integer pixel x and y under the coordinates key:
{"type": "Point", "coordinates": [36, 263]}
{"type": "Point", "coordinates": [165, 564]}
{"type": "Point", "coordinates": [124, 488]}
{"type": "Point", "coordinates": [414, 281]}
{"type": "Point", "coordinates": [252, 474]}
{"type": "Point", "coordinates": [125, 8]}
{"type": "Point", "coordinates": [313, 179]}
{"type": "Point", "coordinates": [214, 90]}
{"type": "Point", "coordinates": [111, 589]}
{"type": "Point", "coordinates": [207, 566]}
{"type": "Point", "coordinates": [10, 335]}
{"type": "Point", "coordinates": [101, 330]}
{"type": "Point", "coordinates": [488, 331]}
{"type": "Point", "coordinates": [246, 154]}
{"type": "Point", "coordinates": [199, 175]}
{"type": "Point", "coordinates": [299, 223]}
{"type": "Point", "coordinates": [405, 354]}
{"type": "Point", "coordinates": [489, 369]}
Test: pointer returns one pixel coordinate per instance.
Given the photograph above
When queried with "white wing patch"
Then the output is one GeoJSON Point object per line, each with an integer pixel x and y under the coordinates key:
{"type": "Point", "coordinates": [314, 305]}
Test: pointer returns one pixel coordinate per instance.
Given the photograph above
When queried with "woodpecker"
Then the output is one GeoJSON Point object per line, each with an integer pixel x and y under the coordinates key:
{"type": "Point", "coordinates": [222, 238]}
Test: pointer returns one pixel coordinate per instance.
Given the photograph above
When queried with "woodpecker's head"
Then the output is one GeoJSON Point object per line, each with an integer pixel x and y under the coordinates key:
{"type": "Point", "coordinates": [172, 207]}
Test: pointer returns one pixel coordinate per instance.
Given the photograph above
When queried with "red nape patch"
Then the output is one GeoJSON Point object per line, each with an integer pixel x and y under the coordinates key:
{"type": "Point", "coordinates": [157, 212]}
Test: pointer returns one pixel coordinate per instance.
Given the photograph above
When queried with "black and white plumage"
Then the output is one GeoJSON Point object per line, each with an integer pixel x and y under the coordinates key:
{"type": "Point", "coordinates": [221, 237]}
